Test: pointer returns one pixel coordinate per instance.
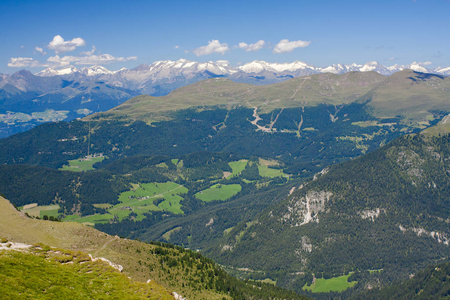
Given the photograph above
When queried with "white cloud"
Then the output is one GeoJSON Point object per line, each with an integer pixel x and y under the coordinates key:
{"type": "Point", "coordinates": [286, 46]}
{"type": "Point", "coordinates": [60, 46]}
{"type": "Point", "coordinates": [176, 47]}
{"type": "Point", "coordinates": [252, 47]}
{"type": "Point", "coordinates": [102, 59]}
{"type": "Point", "coordinates": [21, 62]}
{"type": "Point", "coordinates": [89, 52]}
{"type": "Point", "coordinates": [40, 50]}
{"type": "Point", "coordinates": [425, 63]}
{"type": "Point", "coordinates": [213, 46]}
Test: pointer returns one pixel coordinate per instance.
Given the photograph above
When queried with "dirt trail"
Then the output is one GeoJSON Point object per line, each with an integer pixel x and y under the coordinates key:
{"type": "Point", "coordinates": [111, 239]}
{"type": "Point", "coordinates": [299, 87]}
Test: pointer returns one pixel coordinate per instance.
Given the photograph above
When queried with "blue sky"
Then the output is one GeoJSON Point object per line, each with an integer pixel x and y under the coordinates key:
{"type": "Point", "coordinates": [129, 33]}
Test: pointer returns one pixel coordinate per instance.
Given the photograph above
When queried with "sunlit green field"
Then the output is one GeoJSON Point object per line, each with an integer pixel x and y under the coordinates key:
{"type": "Point", "coordinates": [141, 199]}
{"type": "Point", "coordinates": [219, 192]}
{"type": "Point", "coordinates": [82, 164]}
{"type": "Point", "coordinates": [337, 284]}
{"type": "Point", "coordinates": [237, 167]}
{"type": "Point", "coordinates": [265, 171]}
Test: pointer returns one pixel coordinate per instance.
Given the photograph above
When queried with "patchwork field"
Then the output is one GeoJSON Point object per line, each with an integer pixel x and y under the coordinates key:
{"type": "Point", "coordinates": [141, 199]}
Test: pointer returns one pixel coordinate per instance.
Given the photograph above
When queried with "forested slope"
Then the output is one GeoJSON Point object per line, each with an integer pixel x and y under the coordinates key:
{"type": "Point", "coordinates": [388, 210]}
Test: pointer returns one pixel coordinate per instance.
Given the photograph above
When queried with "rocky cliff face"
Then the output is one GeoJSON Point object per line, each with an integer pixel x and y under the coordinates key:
{"type": "Point", "coordinates": [302, 210]}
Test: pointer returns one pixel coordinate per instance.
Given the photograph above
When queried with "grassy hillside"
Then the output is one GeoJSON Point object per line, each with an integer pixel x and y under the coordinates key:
{"type": "Point", "coordinates": [297, 92]}
{"type": "Point", "coordinates": [174, 268]}
{"type": "Point", "coordinates": [41, 272]}
{"type": "Point", "coordinates": [407, 93]}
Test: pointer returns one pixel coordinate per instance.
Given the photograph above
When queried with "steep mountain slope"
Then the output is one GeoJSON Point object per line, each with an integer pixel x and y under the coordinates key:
{"type": "Point", "coordinates": [175, 268]}
{"type": "Point", "coordinates": [387, 210]}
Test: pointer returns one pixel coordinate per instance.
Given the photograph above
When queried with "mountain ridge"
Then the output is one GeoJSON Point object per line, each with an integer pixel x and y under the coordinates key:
{"type": "Point", "coordinates": [222, 67]}
{"type": "Point", "coordinates": [411, 94]}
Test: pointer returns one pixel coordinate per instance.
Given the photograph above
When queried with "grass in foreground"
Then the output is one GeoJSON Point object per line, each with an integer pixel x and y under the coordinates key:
{"type": "Point", "coordinates": [47, 273]}
{"type": "Point", "coordinates": [336, 284]}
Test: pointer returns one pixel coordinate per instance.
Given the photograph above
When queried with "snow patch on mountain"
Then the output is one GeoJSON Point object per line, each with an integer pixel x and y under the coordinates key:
{"type": "Point", "coordinates": [95, 70]}
{"type": "Point", "coordinates": [260, 66]}
{"type": "Point", "coordinates": [443, 71]}
{"type": "Point", "coordinates": [417, 67]}
{"type": "Point", "coordinates": [49, 72]}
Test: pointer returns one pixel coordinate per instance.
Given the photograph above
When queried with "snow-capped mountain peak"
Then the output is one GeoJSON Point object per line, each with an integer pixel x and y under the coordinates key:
{"type": "Point", "coordinates": [257, 66]}
{"type": "Point", "coordinates": [335, 69]}
{"type": "Point", "coordinates": [95, 70]}
{"type": "Point", "coordinates": [58, 72]}
{"type": "Point", "coordinates": [417, 67]}
{"type": "Point", "coordinates": [443, 71]}
{"type": "Point", "coordinates": [163, 76]}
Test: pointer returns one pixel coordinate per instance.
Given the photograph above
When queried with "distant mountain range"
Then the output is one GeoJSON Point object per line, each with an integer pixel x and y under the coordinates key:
{"type": "Point", "coordinates": [163, 76]}
{"type": "Point", "coordinates": [27, 99]}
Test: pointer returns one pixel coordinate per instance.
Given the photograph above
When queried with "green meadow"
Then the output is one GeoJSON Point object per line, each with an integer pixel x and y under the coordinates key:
{"type": "Point", "coordinates": [141, 199]}
{"type": "Point", "coordinates": [219, 192]}
{"type": "Point", "coordinates": [82, 164]}
{"type": "Point", "coordinates": [266, 171]}
{"type": "Point", "coordinates": [336, 284]}
{"type": "Point", "coordinates": [237, 167]}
